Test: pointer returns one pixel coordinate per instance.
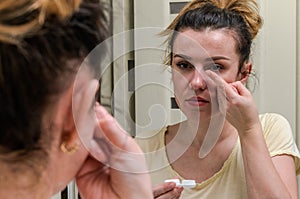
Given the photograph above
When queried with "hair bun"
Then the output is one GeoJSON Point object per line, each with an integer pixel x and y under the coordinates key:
{"type": "Point", "coordinates": [248, 9]}
{"type": "Point", "coordinates": [19, 17]}
{"type": "Point", "coordinates": [60, 8]}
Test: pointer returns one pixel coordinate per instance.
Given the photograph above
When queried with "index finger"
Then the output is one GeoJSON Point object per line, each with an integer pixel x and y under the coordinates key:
{"type": "Point", "coordinates": [163, 188]}
{"type": "Point", "coordinates": [215, 78]}
{"type": "Point", "coordinates": [230, 91]}
{"type": "Point", "coordinates": [110, 128]}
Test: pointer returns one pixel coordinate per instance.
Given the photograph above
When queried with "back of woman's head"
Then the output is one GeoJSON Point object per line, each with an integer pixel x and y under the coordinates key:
{"type": "Point", "coordinates": [42, 43]}
{"type": "Point", "coordinates": [239, 16]}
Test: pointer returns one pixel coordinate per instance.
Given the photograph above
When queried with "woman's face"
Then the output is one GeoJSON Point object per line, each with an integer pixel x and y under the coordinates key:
{"type": "Point", "coordinates": [193, 53]}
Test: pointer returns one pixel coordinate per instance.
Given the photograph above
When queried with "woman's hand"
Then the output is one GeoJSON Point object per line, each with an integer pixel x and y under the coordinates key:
{"type": "Point", "coordinates": [236, 103]}
{"type": "Point", "coordinates": [123, 174]}
{"type": "Point", "coordinates": [167, 191]}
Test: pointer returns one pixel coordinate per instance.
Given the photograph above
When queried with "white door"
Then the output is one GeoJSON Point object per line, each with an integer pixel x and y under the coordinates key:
{"type": "Point", "coordinates": [154, 100]}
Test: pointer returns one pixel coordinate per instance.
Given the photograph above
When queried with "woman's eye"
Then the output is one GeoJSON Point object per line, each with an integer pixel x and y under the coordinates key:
{"type": "Point", "coordinates": [213, 67]}
{"type": "Point", "coordinates": [184, 65]}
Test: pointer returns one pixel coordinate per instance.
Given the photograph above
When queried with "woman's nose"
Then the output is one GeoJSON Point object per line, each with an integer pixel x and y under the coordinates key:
{"type": "Point", "coordinates": [197, 80]}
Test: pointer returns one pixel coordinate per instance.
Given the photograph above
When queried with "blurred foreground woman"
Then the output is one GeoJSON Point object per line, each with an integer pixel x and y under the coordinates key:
{"type": "Point", "coordinates": [42, 45]}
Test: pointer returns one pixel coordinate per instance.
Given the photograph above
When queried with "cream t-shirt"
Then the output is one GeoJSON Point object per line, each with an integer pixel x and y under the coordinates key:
{"type": "Point", "coordinates": [229, 182]}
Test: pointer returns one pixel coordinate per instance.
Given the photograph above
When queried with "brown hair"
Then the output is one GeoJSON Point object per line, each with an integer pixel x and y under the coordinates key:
{"type": "Point", "coordinates": [38, 41]}
{"type": "Point", "coordinates": [240, 16]}
{"type": "Point", "coordinates": [18, 18]}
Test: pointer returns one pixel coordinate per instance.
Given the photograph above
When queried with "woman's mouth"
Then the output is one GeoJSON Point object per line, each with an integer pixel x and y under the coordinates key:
{"type": "Point", "coordinates": [197, 101]}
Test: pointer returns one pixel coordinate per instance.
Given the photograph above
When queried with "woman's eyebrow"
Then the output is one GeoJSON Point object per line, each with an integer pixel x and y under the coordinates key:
{"type": "Point", "coordinates": [215, 58]}
{"type": "Point", "coordinates": [183, 56]}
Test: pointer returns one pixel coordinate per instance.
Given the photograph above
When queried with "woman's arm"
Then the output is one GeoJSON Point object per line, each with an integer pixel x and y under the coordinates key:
{"type": "Point", "coordinates": [266, 177]}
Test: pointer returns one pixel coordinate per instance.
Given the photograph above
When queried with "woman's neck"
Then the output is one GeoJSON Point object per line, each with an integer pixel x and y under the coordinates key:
{"type": "Point", "coordinates": [23, 184]}
{"type": "Point", "coordinates": [194, 132]}
{"type": "Point", "coordinates": [183, 141]}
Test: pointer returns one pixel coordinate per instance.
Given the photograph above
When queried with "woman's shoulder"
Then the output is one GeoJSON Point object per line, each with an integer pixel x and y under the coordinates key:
{"type": "Point", "coordinates": [277, 132]}
{"type": "Point", "coordinates": [272, 116]}
{"type": "Point", "coordinates": [271, 120]}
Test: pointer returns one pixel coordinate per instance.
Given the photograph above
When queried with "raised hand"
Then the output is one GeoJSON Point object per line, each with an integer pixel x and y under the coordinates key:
{"type": "Point", "coordinates": [123, 173]}
{"type": "Point", "coordinates": [236, 102]}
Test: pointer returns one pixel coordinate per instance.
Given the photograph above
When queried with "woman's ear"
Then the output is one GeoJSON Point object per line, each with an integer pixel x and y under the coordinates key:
{"type": "Point", "coordinates": [74, 111]}
{"type": "Point", "coordinates": [69, 141]}
{"type": "Point", "coordinates": [245, 72]}
{"type": "Point", "coordinates": [83, 103]}
{"type": "Point", "coordinates": [79, 118]}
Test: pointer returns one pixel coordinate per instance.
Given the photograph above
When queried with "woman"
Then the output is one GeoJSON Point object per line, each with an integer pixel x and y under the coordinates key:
{"type": "Point", "coordinates": [224, 145]}
{"type": "Point", "coordinates": [42, 45]}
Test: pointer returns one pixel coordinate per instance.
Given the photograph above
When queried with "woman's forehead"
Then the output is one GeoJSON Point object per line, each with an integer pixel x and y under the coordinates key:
{"type": "Point", "coordinates": [204, 44]}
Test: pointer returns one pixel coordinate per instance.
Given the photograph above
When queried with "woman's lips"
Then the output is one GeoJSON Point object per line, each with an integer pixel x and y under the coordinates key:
{"type": "Point", "coordinates": [197, 101]}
